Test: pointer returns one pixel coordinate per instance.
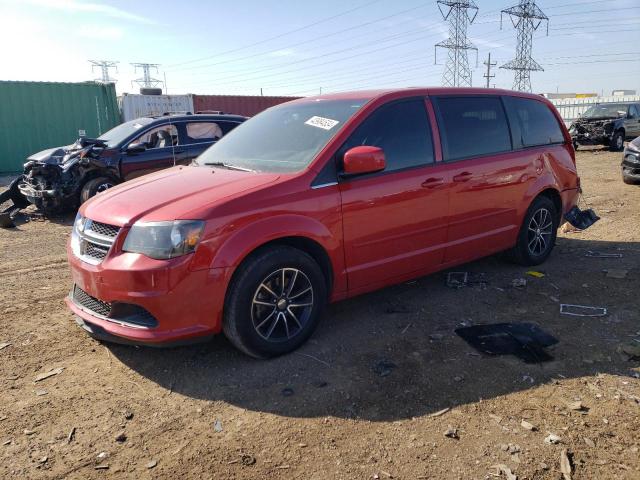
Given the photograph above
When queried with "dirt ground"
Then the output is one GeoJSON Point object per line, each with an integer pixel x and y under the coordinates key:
{"type": "Point", "coordinates": [363, 399]}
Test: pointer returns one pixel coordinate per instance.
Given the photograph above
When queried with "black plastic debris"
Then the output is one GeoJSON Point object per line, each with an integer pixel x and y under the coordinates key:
{"type": "Point", "coordinates": [523, 340]}
{"type": "Point", "coordinates": [581, 219]}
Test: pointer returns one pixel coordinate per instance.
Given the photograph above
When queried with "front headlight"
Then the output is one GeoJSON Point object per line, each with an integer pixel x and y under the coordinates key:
{"type": "Point", "coordinates": [163, 240]}
{"type": "Point", "coordinates": [78, 226]}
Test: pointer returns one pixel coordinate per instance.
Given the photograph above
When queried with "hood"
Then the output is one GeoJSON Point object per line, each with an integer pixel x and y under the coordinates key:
{"type": "Point", "coordinates": [171, 194]}
{"type": "Point", "coordinates": [595, 119]}
{"type": "Point", "coordinates": [50, 155]}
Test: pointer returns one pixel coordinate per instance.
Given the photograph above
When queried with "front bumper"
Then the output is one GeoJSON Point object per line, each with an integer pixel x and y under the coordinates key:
{"type": "Point", "coordinates": [631, 165]}
{"type": "Point", "coordinates": [588, 139]}
{"type": "Point", "coordinates": [186, 305]}
{"type": "Point", "coordinates": [32, 193]}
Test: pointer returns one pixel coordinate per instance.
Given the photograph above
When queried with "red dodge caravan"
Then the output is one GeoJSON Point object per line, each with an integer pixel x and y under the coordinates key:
{"type": "Point", "coordinates": [318, 200]}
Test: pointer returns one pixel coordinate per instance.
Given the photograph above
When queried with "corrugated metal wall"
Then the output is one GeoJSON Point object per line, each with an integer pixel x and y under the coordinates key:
{"type": "Point", "coordinates": [237, 104]}
{"type": "Point", "coordinates": [39, 115]}
{"type": "Point", "coordinates": [134, 106]}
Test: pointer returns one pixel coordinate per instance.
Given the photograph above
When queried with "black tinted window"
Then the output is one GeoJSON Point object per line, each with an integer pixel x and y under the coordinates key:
{"type": "Point", "coordinates": [401, 129]}
{"type": "Point", "coordinates": [472, 126]}
{"type": "Point", "coordinates": [634, 111]}
{"type": "Point", "coordinates": [535, 123]}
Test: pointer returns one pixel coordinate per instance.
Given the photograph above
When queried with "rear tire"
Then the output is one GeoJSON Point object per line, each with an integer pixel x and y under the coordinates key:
{"type": "Point", "coordinates": [538, 232]}
{"type": "Point", "coordinates": [617, 141]}
{"type": "Point", "coordinates": [95, 186]}
{"type": "Point", "coordinates": [274, 302]}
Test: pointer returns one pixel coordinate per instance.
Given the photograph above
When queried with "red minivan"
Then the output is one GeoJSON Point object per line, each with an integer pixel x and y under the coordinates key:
{"type": "Point", "coordinates": [318, 200]}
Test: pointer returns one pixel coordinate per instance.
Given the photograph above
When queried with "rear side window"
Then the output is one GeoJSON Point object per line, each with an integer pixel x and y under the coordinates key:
{"type": "Point", "coordinates": [203, 132]}
{"type": "Point", "coordinates": [401, 129]}
{"type": "Point", "coordinates": [472, 126]}
{"type": "Point", "coordinates": [534, 124]}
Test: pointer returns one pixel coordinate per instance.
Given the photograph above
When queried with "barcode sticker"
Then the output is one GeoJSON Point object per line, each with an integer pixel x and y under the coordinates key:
{"type": "Point", "coordinates": [321, 122]}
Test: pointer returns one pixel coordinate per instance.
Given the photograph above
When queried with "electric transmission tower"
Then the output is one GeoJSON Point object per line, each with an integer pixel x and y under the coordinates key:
{"type": "Point", "coordinates": [526, 17]}
{"type": "Point", "coordinates": [458, 13]}
{"type": "Point", "coordinates": [104, 66]}
{"type": "Point", "coordinates": [146, 81]}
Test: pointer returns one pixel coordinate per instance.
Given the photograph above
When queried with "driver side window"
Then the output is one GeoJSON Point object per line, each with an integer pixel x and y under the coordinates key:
{"type": "Point", "coordinates": [159, 137]}
{"type": "Point", "coordinates": [633, 111]}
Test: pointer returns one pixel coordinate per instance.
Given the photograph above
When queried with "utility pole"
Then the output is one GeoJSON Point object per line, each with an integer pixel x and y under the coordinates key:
{"type": "Point", "coordinates": [104, 66]}
{"type": "Point", "coordinates": [525, 17]}
{"type": "Point", "coordinates": [146, 81]}
{"type": "Point", "coordinates": [458, 13]}
{"type": "Point", "coordinates": [488, 75]}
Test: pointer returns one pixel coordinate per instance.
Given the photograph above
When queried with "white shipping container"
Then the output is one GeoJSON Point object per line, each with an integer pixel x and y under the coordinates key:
{"type": "Point", "coordinates": [134, 106]}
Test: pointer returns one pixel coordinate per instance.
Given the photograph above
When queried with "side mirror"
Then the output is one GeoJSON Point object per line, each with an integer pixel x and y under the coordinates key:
{"type": "Point", "coordinates": [136, 148]}
{"type": "Point", "coordinates": [363, 159]}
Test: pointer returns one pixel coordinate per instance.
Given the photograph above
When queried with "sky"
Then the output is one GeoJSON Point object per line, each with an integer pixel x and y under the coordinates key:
{"type": "Point", "coordinates": [293, 47]}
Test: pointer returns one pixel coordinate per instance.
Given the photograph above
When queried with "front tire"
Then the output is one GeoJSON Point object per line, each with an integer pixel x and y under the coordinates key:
{"type": "Point", "coordinates": [274, 302]}
{"type": "Point", "coordinates": [617, 141]}
{"type": "Point", "coordinates": [537, 235]}
{"type": "Point", "coordinates": [95, 186]}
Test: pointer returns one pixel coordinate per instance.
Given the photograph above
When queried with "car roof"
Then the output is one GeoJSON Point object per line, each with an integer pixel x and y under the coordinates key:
{"type": "Point", "coordinates": [197, 117]}
{"type": "Point", "coordinates": [376, 94]}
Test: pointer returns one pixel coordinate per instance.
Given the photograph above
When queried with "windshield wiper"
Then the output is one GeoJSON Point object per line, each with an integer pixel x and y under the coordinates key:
{"type": "Point", "coordinates": [229, 166]}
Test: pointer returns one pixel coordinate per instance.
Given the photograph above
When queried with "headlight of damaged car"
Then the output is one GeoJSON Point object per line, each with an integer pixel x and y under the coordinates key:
{"type": "Point", "coordinates": [163, 240]}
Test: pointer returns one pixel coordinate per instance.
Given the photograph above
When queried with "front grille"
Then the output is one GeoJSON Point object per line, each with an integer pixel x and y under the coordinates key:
{"type": "Point", "coordinates": [127, 314]}
{"type": "Point", "coordinates": [103, 229]}
{"type": "Point", "coordinates": [95, 240]}
{"type": "Point", "coordinates": [95, 251]}
{"type": "Point", "coordinates": [85, 300]}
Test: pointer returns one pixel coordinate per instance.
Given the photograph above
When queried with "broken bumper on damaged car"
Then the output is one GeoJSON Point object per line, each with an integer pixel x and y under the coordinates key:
{"type": "Point", "coordinates": [592, 133]}
{"type": "Point", "coordinates": [132, 299]}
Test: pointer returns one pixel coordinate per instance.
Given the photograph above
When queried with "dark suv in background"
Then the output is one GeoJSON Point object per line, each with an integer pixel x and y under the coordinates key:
{"type": "Point", "coordinates": [61, 178]}
{"type": "Point", "coordinates": [607, 124]}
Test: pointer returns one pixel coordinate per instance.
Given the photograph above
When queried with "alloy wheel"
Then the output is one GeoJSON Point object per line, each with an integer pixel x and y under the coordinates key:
{"type": "Point", "coordinates": [540, 232]}
{"type": "Point", "coordinates": [282, 305]}
{"type": "Point", "coordinates": [103, 187]}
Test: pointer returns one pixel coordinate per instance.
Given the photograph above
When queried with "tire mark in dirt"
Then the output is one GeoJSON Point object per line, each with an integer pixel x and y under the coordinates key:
{"type": "Point", "coordinates": [56, 264]}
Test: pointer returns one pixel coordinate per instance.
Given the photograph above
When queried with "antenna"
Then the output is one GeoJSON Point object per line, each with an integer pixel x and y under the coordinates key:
{"type": "Point", "coordinates": [146, 81]}
{"type": "Point", "coordinates": [488, 75]}
{"type": "Point", "coordinates": [525, 17]}
{"type": "Point", "coordinates": [104, 65]}
{"type": "Point", "coordinates": [457, 72]}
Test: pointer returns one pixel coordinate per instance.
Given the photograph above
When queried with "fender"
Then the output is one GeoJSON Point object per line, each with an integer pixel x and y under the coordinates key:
{"type": "Point", "coordinates": [237, 246]}
{"type": "Point", "coordinates": [543, 182]}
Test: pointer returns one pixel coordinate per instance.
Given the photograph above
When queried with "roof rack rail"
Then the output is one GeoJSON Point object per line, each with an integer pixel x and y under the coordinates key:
{"type": "Point", "coordinates": [211, 112]}
{"type": "Point", "coordinates": [166, 114]}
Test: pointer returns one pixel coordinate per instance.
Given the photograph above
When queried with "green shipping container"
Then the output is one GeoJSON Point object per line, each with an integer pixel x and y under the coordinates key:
{"type": "Point", "coordinates": [39, 115]}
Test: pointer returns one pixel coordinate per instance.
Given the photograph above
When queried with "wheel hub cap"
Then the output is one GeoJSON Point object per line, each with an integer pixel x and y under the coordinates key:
{"type": "Point", "coordinates": [282, 305]}
{"type": "Point", "coordinates": [540, 232]}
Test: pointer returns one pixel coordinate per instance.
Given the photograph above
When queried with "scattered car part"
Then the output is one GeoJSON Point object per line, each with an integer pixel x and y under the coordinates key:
{"type": "Point", "coordinates": [592, 254]}
{"type": "Point", "coordinates": [457, 279]}
{"type": "Point", "coordinates": [523, 340]}
{"type": "Point", "coordinates": [582, 310]}
{"type": "Point", "coordinates": [581, 219]}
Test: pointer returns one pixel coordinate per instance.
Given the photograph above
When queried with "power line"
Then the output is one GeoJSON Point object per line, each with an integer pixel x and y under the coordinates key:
{"type": "Point", "coordinates": [456, 71]}
{"type": "Point", "coordinates": [298, 44]}
{"type": "Point", "coordinates": [260, 42]}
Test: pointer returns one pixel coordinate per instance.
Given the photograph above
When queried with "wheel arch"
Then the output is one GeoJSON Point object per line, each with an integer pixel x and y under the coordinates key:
{"type": "Point", "coordinates": [304, 233]}
{"type": "Point", "coordinates": [553, 195]}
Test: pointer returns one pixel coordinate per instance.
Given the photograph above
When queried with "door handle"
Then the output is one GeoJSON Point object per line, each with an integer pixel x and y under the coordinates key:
{"type": "Point", "coordinates": [462, 177]}
{"type": "Point", "coordinates": [433, 182]}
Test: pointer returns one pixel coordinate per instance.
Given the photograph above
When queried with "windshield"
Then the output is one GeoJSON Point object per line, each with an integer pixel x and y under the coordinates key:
{"type": "Point", "coordinates": [284, 138]}
{"type": "Point", "coordinates": [614, 110]}
{"type": "Point", "coordinates": [116, 135]}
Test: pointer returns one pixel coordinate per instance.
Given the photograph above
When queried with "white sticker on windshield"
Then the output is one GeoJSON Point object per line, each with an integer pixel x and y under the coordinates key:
{"type": "Point", "coordinates": [321, 122]}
